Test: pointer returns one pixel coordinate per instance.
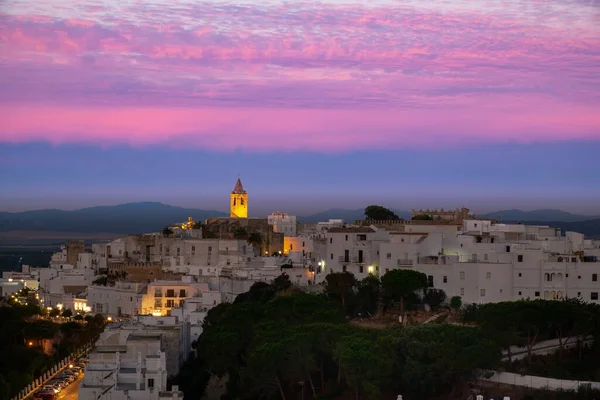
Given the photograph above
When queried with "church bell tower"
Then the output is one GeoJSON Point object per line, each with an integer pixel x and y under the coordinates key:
{"type": "Point", "coordinates": [238, 203]}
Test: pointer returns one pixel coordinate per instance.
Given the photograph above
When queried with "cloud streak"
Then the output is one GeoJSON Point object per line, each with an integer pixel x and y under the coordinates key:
{"type": "Point", "coordinates": [299, 76]}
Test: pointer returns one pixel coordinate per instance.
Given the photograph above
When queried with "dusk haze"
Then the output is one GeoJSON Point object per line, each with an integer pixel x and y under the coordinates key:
{"type": "Point", "coordinates": [333, 104]}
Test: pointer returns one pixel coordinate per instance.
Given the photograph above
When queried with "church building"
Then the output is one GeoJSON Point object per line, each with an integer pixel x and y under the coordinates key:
{"type": "Point", "coordinates": [238, 207]}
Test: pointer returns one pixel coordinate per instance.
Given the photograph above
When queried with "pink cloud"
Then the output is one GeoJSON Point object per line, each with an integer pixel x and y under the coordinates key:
{"type": "Point", "coordinates": [303, 76]}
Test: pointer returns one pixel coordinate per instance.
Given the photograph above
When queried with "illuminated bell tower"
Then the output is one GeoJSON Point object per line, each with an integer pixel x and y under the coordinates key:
{"type": "Point", "coordinates": [238, 201]}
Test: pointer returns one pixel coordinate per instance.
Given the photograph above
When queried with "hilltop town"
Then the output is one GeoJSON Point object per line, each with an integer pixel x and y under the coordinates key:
{"type": "Point", "coordinates": [158, 288]}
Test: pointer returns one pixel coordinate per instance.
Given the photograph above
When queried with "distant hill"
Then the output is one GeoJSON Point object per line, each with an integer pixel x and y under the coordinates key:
{"type": "Point", "coordinates": [125, 218]}
{"type": "Point", "coordinates": [545, 215]}
{"type": "Point", "coordinates": [346, 215]}
{"type": "Point", "coordinates": [146, 217]}
{"type": "Point", "coordinates": [590, 228]}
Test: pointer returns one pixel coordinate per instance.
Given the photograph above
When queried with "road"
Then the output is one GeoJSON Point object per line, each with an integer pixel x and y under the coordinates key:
{"type": "Point", "coordinates": [70, 393]}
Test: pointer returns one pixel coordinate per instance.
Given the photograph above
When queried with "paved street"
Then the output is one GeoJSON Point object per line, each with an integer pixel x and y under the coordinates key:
{"type": "Point", "coordinates": [70, 393]}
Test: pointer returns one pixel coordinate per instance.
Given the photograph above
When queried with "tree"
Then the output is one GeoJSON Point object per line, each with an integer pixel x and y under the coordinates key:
{"type": "Point", "coordinates": [67, 313]}
{"type": "Point", "coordinates": [167, 231]}
{"type": "Point", "coordinates": [368, 295]}
{"type": "Point", "coordinates": [422, 217]}
{"type": "Point", "coordinates": [78, 318]}
{"type": "Point", "coordinates": [380, 213]}
{"type": "Point", "coordinates": [240, 233]}
{"type": "Point", "coordinates": [398, 284]}
{"type": "Point", "coordinates": [255, 239]}
{"type": "Point", "coordinates": [455, 303]}
{"type": "Point", "coordinates": [55, 312]}
{"type": "Point", "coordinates": [197, 225]}
{"type": "Point", "coordinates": [434, 298]}
{"type": "Point", "coordinates": [340, 285]}
{"type": "Point", "coordinates": [433, 358]}
{"type": "Point", "coordinates": [364, 364]}
{"type": "Point", "coordinates": [282, 283]}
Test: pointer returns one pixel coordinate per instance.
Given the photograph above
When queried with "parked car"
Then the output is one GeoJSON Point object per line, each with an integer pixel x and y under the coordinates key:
{"type": "Point", "coordinates": [57, 383]}
{"type": "Point", "coordinates": [44, 395]}
{"type": "Point", "coordinates": [66, 376]}
{"type": "Point", "coordinates": [52, 388]}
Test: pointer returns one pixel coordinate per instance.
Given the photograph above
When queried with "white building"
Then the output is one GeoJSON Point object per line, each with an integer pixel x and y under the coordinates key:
{"type": "Point", "coordinates": [128, 363]}
{"type": "Point", "coordinates": [353, 249]}
{"type": "Point", "coordinates": [484, 262]}
{"type": "Point", "coordinates": [283, 223]}
{"type": "Point", "coordinates": [155, 298]}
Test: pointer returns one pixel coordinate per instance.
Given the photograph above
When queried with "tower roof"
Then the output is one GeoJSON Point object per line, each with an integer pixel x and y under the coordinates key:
{"type": "Point", "coordinates": [239, 189]}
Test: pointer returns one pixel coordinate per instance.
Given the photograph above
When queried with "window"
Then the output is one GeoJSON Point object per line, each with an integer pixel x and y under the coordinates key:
{"type": "Point", "coordinates": [485, 257]}
{"type": "Point", "coordinates": [171, 303]}
{"type": "Point", "coordinates": [508, 249]}
{"type": "Point", "coordinates": [150, 383]}
{"type": "Point", "coordinates": [303, 244]}
{"type": "Point", "coordinates": [157, 303]}
{"type": "Point", "coordinates": [362, 237]}
{"type": "Point", "coordinates": [209, 249]}
{"type": "Point", "coordinates": [344, 268]}
{"type": "Point", "coordinates": [519, 293]}
{"type": "Point", "coordinates": [482, 292]}
{"type": "Point", "coordinates": [520, 274]}
{"type": "Point", "coordinates": [594, 277]}
{"type": "Point", "coordinates": [573, 259]}
{"type": "Point", "coordinates": [520, 258]}
{"type": "Point", "coordinates": [178, 251]}
{"type": "Point", "coordinates": [330, 240]}
{"type": "Point", "coordinates": [157, 293]}
{"type": "Point", "coordinates": [488, 275]}
{"type": "Point", "coordinates": [445, 279]}
{"type": "Point", "coordinates": [388, 256]}
{"type": "Point", "coordinates": [594, 296]}
{"type": "Point", "coordinates": [332, 256]}
{"type": "Point", "coordinates": [462, 274]}
{"type": "Point", "coordinates": [170, 292]}
{"type": "Point", "coordinates": [578, 294]}
{"type": "Point", "coordinates": [537, 294]}
{"type": "Point", "coordinates": [360, 269]}
{"type": "Point", "coordinates": [346, 238]}
{"type": "Point", "coordinates": [462, 291]}
{"type": "Point", "coordinates": [182, 293]}
{"type": "Point", "coordinates": [430, 281]}
{"type": "Point", "coordinates": [181, 303]}
{"type": "Point", "coordinates": [475, 225]}
{"type": "Point", "coordinates": [228, 261]}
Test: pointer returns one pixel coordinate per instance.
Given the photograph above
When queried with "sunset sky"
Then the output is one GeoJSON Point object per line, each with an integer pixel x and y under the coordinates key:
{"type": "Point", "coordinates": [482, 103]}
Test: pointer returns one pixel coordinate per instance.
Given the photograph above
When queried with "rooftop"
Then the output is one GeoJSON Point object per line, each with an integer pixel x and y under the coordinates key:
{"type": "Point", "coordinates": [356, 229]}
{"type": "Point", "coordinates": [239, 189]}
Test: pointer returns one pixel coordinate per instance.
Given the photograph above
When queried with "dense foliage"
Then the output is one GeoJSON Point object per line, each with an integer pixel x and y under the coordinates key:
{"type": "Point", "coordinates": [24, 331]}
{"type": "Point", "coordinates": [380, 213]}
{"type": "Point", "coordinates": [528, 322]}
{"type": "Point", "coordinates": [275, 342]}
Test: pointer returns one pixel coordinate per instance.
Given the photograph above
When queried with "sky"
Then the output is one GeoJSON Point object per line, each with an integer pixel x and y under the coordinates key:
{"type": "Point", "coordinates": [482, 103]}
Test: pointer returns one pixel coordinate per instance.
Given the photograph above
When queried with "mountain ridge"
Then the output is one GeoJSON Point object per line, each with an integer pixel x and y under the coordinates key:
{"type": "Point", "coordinates": [151, 216]}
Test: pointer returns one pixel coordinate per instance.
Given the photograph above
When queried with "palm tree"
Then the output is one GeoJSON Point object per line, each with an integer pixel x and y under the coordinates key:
{"type": "Point", "coordinates": [255, 239]}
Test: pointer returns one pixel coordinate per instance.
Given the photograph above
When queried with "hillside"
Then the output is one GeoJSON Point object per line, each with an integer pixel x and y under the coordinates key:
{"type": "Point", "coordinates": [125, 218]}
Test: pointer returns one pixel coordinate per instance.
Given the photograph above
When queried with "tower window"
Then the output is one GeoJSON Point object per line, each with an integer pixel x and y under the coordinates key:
{"type": "Point", "coordinates": [242, 201]}
{"type": "Point", "coordinates": [234, 201]}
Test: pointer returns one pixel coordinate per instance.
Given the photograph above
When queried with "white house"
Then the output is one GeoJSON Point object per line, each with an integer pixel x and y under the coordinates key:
{"type": "Point", "coordinates": [283, 223]}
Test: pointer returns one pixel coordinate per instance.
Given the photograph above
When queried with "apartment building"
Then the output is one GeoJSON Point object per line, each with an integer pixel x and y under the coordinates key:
{"type": "Point", "coordinates": [486, 262]}
{"type": "Point", "coordinates": [128, 363]}
{"type": "Point", "coordinates": [353, 249]}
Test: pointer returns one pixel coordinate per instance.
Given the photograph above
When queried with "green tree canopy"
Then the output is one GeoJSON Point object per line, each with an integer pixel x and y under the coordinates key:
{"type": "Point", "coordinates": [375, 212]}
{"type": "Point", "coordinates": [434, 298]}
{"type": "Point", "coordinates": [398, 284]}
{"type": "Point", "coordinates": [340, 285]}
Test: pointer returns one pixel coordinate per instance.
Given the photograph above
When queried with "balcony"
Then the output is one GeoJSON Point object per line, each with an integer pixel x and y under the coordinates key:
{"type": "Point", "coordinates": [358, 260]}
{"type": "Point", "coordinates": [158, 294]}
{"type": "Point", "coordinates": [343, 259]}
{"type": "Point", "coordinates": [404, 262]}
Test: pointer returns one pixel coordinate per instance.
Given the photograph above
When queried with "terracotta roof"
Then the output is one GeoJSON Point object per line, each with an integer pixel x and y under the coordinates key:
{"type": "Point", "coordinates": [238, 189]}
{"type": "Point", "coordinates": [360, 229]}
